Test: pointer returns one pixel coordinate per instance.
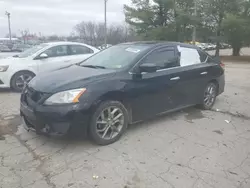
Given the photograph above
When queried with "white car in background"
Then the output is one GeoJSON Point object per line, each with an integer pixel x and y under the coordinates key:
{"type": "Point", "coordinates": [201, 46]}
{"type": "Point", "coordinates": [17, 71]}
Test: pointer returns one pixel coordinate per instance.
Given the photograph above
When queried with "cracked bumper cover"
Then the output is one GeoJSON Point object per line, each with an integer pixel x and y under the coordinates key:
{"type": "Point", "coordinates": [221, 82]}
{"type": "Point", "coordinates": [54, 120]}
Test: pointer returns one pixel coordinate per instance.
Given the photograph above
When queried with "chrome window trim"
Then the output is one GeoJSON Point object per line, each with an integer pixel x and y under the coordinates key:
{"type": "Point", "coordinates": [161, 70]}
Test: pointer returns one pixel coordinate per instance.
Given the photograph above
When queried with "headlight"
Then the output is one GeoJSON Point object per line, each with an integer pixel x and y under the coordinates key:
{"type": "Point", "coordinates": [4, 68]}
{"type": "Point", "coordinates": [65, 97]}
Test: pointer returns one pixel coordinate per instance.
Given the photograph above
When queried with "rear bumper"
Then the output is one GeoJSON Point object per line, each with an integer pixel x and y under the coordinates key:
{"type": "Point", "coordinates": [56, 120]}
{"type": "Point", "coordinates": [221, 82]}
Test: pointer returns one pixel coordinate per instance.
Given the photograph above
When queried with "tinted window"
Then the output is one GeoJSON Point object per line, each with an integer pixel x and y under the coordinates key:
{"type": "Point", "coordinates": [203, 56]}
{"type": "Point", "coordinates": [78, 49]}
{"type": "Point", "coordinates": [57, 51]}
{"type": "Point", "coordinates": [163, 58]}
{"type": "Point", "coordinates": [189, 56]}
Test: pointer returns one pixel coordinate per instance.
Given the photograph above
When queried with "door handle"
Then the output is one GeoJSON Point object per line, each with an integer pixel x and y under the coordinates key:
{"type": "Point", "coordinates": [203, 73]}
{"type": "Point", "coordinates": [175, 78]}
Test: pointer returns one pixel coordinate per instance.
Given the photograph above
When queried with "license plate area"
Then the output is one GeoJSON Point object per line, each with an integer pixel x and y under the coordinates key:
{"type": "Point", "coordinates": [28, 112]}
{"type": "Point", "coordinates": [31, 122]}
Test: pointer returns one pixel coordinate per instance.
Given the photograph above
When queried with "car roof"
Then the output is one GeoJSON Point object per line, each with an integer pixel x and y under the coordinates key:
{"type": "Point", "coordinates": [64, 43]}
{"type": "Point", "coordinates": [52, 44]}
{"type": "Point", "coordinates": [161, 43]}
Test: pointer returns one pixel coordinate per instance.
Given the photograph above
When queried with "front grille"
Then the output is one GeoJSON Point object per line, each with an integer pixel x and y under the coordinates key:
{"type": "Point", "coordinates": [31, 97]}
{"type": "Point", "coordinates": [37, 96]}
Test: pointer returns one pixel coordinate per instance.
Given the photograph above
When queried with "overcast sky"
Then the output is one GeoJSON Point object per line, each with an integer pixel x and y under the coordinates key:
{"type": "Point", "coordinates": [56, 16]}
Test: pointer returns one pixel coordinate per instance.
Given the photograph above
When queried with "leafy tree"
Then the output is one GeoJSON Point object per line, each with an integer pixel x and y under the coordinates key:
{"type": "Point", "coordinates": [141, 18]}
{"type": "Point", "coordinates": [236, 27]}
{"type": "Point", "coordinates": [216, 20]}
{"type": "Point", "coordinates": [215, 12]}
{"type": "Point", "coordinates": [161, 19]}
{"type": "Point", "coordinates": [236, 30]}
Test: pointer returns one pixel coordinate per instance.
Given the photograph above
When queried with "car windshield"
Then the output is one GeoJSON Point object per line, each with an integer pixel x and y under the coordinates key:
{"type": "Point", "coordinates": [116, 57]}
{"type": "Point", "coordinates": [32, 50]}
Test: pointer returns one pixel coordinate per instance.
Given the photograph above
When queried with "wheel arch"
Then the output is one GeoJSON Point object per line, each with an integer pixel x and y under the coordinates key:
{"type": "Point", "coordinates": [19, 72]}
{"type": "Point", "coordinates": [115, 96]}
{"type": "Point", "coordinates": [216, 83]}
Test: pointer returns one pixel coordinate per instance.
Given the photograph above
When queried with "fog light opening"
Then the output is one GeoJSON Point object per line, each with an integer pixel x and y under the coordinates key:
{"type": "Point", "coordinates": [46, 129]}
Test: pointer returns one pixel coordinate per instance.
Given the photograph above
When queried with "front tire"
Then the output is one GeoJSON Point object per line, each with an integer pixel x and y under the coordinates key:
{"type": "Point", "coordinates": [209, 97]}
{"type": "Point", "coordinates": [108, 123]}
{"type": "Point", "coordinates": [20, 79]}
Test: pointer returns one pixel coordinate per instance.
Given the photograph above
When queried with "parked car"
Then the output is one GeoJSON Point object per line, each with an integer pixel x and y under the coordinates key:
{"type": "Point", "coordinates": [21, 47]}
{"type": "Point", "coordinates": [121, 85]}
{"type": "Point", "coordinates": [4, 48]}
{"type": "Point", "coordinates": [16, 71]}
{"type": "Point", "coordinates": [103, 47]}
{"type": "Point", "coordinates": [224, 46]}
{"type": "Point", "coordinates": [201, 46]}
{"type": "Point", "coordinates": [211, 46]}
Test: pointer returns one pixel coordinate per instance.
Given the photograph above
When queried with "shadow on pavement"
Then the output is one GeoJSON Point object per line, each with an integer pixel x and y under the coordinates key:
{"type": "Point", "coordinates": [6, 90]}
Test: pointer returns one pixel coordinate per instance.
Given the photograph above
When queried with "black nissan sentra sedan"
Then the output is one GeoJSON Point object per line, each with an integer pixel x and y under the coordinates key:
{"type": "Point", "coordinates": [121, 85]}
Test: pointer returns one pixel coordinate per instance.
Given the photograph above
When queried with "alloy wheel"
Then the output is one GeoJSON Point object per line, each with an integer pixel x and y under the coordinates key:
{"type": "Point", "coordinates": [22, 80]}
{"type": "Point", "coordinates": [110, 123]}
{"type": "Point", "coordinates": [210, 95]}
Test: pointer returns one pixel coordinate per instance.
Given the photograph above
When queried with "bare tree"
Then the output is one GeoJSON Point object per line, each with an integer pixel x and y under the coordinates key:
{"type": "Point", "coordinates": [24, 35]}
{"type": "Point", "coordinates": [93, 33]}
{"type": "Point", "coordinates": [87, 32]}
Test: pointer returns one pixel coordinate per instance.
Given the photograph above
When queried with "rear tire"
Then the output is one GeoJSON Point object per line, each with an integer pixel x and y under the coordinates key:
{"type": "Point", "coordinates": [108, 123]}
{"type": "Point", "coordinates": [209, 97]}
{"type": "Point", "coordinates": [20, 79]}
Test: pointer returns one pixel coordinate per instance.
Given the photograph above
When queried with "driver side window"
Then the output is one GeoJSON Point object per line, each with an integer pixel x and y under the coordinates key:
{"type": "Point", "coordinates": [163, 58]}
{"type": "Point", "coordinates": [57, 51]}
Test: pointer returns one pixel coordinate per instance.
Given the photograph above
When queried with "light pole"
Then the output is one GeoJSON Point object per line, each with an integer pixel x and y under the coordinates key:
{"type": "Point", "coordinates": [194, 29]}
{"type": "Point", "coordinates": [105, 23]}
{"type": "Point", "coordinates": [8, 15]}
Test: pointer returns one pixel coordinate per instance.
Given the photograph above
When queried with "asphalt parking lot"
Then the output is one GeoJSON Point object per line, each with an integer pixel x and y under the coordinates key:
{"type": "Point", "coordinates": [186, 149]}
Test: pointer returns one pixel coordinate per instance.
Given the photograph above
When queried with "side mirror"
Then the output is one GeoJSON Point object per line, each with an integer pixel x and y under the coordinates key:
{"type": "Point", "coordinates": [148, 67]}
{"type": "Point", "coordinates": [43, 56]}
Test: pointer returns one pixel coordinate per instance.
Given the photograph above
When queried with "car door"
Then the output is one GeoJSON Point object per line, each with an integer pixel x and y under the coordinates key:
{"type": "Point", "coordinates": [79, 53]}
{"type": "Point", "coordinates": [207, 70]}
{"type": "Point", "coordinates": [196, 72]}
{"type": "Point", "coordinates": [57, 57]}
{"type": "Point", "coordinates": [158, 92]}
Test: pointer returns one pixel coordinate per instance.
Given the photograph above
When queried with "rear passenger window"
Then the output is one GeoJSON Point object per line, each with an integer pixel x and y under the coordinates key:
{"type": "Point", "coordinates": [204, 57]}
{"type": "Point", "coordinates": [57, 51]}
{"type": "Point", "coordinates": [189, 56]}
{"type": "Point", "coordinates": [164, 58]}
{"type": "Point", "coordinates": [79, 49]}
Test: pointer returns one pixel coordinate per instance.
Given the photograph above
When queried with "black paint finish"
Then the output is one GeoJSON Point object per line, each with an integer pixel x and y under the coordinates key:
{"type": "Point", "coordinates": [144, 94]}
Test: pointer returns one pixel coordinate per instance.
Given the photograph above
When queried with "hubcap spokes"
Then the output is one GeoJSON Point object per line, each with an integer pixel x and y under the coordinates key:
{"type": "Point", "coordinates": [210, 95]}
{"type": "Point", "coordinates": [110, 123]}
{"type": "Point", "coordinates": [23, 80]}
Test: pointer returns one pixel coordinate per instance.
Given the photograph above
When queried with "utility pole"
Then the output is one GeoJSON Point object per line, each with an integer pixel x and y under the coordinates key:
{"type": "Point", "coordinates": [8, 15]}
{"type": "Point", "coordinates": [194, 29]}
{"type": "Point", "coordinates": [105, 23]}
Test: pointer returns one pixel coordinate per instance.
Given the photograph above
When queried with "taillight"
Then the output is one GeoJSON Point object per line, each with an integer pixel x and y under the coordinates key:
{"type": "Point", "coordinates": [222, 65]}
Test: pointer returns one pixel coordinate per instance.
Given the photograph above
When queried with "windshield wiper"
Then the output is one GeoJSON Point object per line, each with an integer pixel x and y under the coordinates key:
{"type": "Point", "coordinates": [93, 66]}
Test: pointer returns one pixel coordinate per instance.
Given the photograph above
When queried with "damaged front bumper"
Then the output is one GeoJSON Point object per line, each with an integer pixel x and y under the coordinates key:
{"type": "Point", "coordinates": [53, 121]}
